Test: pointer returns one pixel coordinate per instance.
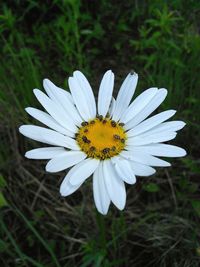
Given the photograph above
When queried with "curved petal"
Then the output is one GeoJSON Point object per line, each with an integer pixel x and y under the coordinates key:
{"type": "Point", "coordinates": [125, 95]}
{"type": "Point", "coordinates": [105, 93]}
{"type": "Point", "coordinates": [48, 136]}
{"type": "Point", "coordinates": [52, 90]}
{"type": "Point", "coordinates": [123, 168]}
{"type": "Point", "coordinates": [115, 186]}
{"type": "Point", "coordinates": [55, 111]}
{"type": "Point", "coordinates": [84, 84]}
{"type": "Point", "coordinates": [80, 172]}
{"type": "Point", "coordinates": [160, 150]}
{"type": "Point", "coordinates": [148, 109]}
{"type": "Point", "coordinates": [151, 122]}
{"type": "Point", "coordinates": [144, 158]}
{"type": "Point", "coordinates": [64, 100]}
{"type": "Point", "coordinates": [141, 169]}
{"type": "Point", "coordinates": [170, 126]}
{"type": "Point", "coordinates": [101, 198]}
{"type": "Point", "coordinates": [66, 188]}
{"type": "Point", "coordinates": [138, 104]}
{"type": "Point", "coordinates": [141, 140]}
{"type": "Point", "coordinates": [81, 99]}
{"type": "Point", "coordinates": [44, 152]}
{"type": "Point", "coordinates": [112, 107]}
{"type": "Point", "coordinates": [48, 121]}
{"type": "Point", "coordinates": [65, 160]}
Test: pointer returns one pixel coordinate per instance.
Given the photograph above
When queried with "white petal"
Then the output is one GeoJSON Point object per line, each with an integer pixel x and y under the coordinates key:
{"type": "Point", "coordinates": [144, 158]}
{"type": "Point", "coordinates": [63, 99]}
{"type": "Point", "coordinates": [125, 95]}
{"type": "Point", "coordinates": [112, 107]}
{"type": "Point", "coordinates": [148, 109]}
{"type": "Point", "coordinates": [66, 188]}
{"type": "Point", "coordinates": [55, 111]}
{"type": "Point", "coordinates": [160, 150]}
{"type": "Point", "coordinates": [65, 160]}
{"type": "Point", "coordinates": [52, 90]}
{"type": "Point", "coordinates": [105, 93]}
{"type": "Point", "coordinates": [156, 138]}
{"type": "Point", "coordinates": [81, 99]}
{"type": "Point", "coordinates": [115, 186]}
{"type": "Point", "coordinates": [124, 170]}
{"type": "Point", "coordinates": [48, 136]}
{"type": "Point", "coordinates": [44, 152]}
{"type": "Point", "coordinates": [84, 84]}
{"type": "Point", "coordinates": [101, 198]}
{"type": "Point", "coordinates": [141, 169]}
{"type": "Point", "coordinates": [170, 126]}
{"type": "Point", "coordinates": [151, 122]}
{"type": "Point", "coordinates": [80, 172]}
{"type": "Point", "coordinates": [48, 121]}
{"type": "Point", "coordinates": [138, 104]}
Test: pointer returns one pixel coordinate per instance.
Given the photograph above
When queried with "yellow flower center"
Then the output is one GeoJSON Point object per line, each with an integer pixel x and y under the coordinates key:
{"type": "Point", "coordinates": [101, 138]}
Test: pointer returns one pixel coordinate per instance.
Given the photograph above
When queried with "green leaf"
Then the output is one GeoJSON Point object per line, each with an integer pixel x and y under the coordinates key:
{"type": "Point", "coordinates": [151, 187]}
{"type": "Point", "coordinates": [3, 201]}
{"type": "Point", "coordinates": [196, 206]}
{"type": "Point", "coordinates": [2, 182]}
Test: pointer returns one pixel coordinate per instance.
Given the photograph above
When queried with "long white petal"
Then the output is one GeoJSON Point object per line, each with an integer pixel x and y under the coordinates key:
{"type": "Point", "coordinates": [144, 158]}
{"type": "Point", "coordinates": [63, 99]}
{"type": "Point", "coordinates": [125, 95]}
{"type": "Point", "coordinates": [151, 122]}
{"type": "Point", "coordinates": [160, 150]}
{"type": "Point", "coordinates": [170, 126]}
{"type": "Point", "coordinates": [141, 169]}
{"type": "Point", "coordinates": [44, 152]}
{"type": "Point", "coordinates": [80, 98]}
{"type": "Point", "coordinates": [112, 106]}
{"type": "Point", "coordinates": [48, 136]}
{"type": "Point", "coordinates": [65, 160]}
{"type": "Point", "coordinates": [138, 104]}
{"type": "Point", "coordinates": [141, 140]}
{"type": "Point", "coordinates": [123, 168]}
{"type": "Point", "coordinates": [115, 186]}
{"type": "Point", "coordinates": [105, 93]}
{"type": "Point", "coordinates": [48, 121]}
{"type": "Point", "coordinates": [101, 198]}
{"type": "Point", "coordinates": [52, 90]}
{"type": "Point", "coordinates": [66, 188]}
{"type": "Point", "coordinates": [55, 111]}
{"type": "Point", "coordinates": [148, 109]}
{"type": "Point", "coordinates": [86, 88]}
{"type": "Point", "coordinates": [80, 172]}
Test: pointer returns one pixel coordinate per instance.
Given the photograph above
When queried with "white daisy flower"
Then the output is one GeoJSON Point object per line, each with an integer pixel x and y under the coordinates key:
{"type": "Point", "coordinates": [113, 141]}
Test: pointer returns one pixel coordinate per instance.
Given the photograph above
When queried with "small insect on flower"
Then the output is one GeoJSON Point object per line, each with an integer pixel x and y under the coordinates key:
{"type": "Point", "coordinates": [114, 141]}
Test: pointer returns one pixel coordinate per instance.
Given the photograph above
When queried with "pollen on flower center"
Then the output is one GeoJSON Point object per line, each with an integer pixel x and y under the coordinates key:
{"type": "Point", "coordinates": [101, 138]}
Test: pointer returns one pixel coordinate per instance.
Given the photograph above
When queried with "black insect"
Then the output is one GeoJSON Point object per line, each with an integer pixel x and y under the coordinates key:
{"type": "Point", "coordinates": [85, 140]}
{"type": "Point", "coordinates": [116, 137]}
{"type": "Point", "coordinates": [84, 123]}
{"type": "Point", "coordinates": [106, 150]}
{"type": "Point", "coordinates": [113, 123]}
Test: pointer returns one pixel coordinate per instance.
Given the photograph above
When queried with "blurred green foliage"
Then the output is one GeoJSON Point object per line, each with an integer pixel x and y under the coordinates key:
{"type": "Point", "coordinates": [160, 40]}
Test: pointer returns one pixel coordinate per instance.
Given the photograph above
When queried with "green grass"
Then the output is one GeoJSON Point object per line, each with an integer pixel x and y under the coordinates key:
{"type": "Point", "coordinates": [160, 40]}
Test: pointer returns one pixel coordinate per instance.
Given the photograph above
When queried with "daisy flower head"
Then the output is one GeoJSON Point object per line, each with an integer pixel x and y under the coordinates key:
{"type": "Point", "coordinates": [114, 141]}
